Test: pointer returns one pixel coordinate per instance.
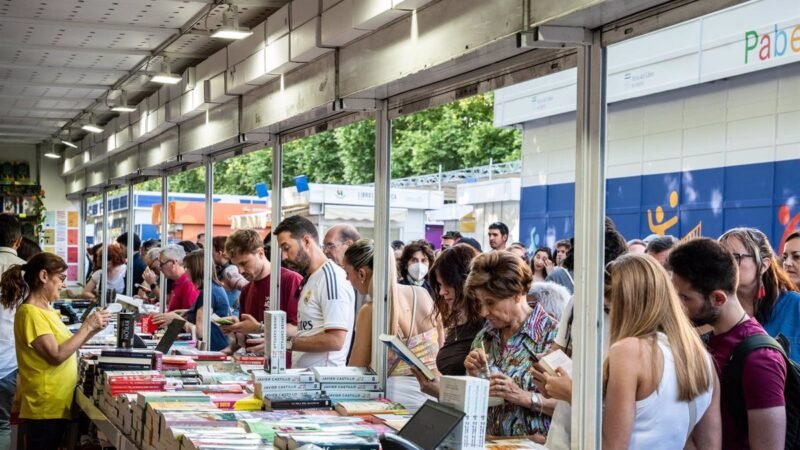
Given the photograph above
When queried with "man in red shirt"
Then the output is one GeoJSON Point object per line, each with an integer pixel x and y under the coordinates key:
{"type": "Point", "coordinates": [184, 293]}
{"type": "Point", "coordinates": [245, 249]}
{"type": "Point", "coordinates": [705, 276]}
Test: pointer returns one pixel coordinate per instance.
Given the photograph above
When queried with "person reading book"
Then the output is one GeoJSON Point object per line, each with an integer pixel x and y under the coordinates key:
{"type": "Point", "coordinates": [411, 317]}
{"type": "Point", "coordinates": [48, 369]}
{"type": "Point", "coordinates": [508, 344]}
{"type": "Point", "coordinates": [459, 313]}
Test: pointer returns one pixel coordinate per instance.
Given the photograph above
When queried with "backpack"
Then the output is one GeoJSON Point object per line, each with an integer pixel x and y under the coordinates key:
{"type": "Point", "coordinates": [732, 378]}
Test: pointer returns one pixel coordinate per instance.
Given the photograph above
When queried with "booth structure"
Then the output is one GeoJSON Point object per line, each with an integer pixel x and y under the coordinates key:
{"type": "Point", "coordinates": [312, 66]}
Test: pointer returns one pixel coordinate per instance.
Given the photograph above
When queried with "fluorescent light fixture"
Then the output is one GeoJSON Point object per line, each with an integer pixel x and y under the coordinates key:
{"type": "Point", "coordinates": [230, 28]}
{"type": "Point", "coordinates": [53, 152]}
{"type": "Point", "coordinates": [92, 128]}
{"type": "Point", "coordinates": [123, 106]}
{"type": "Point", "coordinates": [68, 144]}
{"type": "Point", "coordinates": [165, 76]}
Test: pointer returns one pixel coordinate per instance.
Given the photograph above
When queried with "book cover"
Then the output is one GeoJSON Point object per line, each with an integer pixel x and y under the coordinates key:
{"type": "Point", "coordinates": [352, 386]}
{"type": "Point", "coordinates": [554, 360]}
{"type": "Point", "coordinates": [363, 407]}
{"type": "Point", "coordinates": [403, 352]}
{"type": "Point", "coordinates": [299, 402]}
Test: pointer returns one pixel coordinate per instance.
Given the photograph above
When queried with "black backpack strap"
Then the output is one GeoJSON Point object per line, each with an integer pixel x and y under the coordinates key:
{"type": "Point", "coordinates": [732, 376]}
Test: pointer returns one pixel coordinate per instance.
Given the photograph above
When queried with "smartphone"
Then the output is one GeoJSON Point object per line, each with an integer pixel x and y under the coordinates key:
{"type": "Point", "coordinates": [255, 336]}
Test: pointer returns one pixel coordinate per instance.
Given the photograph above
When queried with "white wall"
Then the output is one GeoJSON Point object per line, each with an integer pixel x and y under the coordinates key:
{"type": "Point", "coordinates": [747, 119]}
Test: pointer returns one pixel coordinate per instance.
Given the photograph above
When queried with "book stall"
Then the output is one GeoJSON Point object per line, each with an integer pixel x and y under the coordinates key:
{"type": "Point", "coordinates": [154, 390]}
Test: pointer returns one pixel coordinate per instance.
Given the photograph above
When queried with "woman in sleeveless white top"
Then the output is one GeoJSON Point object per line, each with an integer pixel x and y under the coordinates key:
{"type": "Point", "coordinates": [662, 421]}
{"type": "Point", "coordinates": [660, 386]}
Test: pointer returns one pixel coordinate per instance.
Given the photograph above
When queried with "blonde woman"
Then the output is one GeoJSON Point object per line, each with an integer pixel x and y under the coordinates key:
{"type": "Point", "coordinates": [412, 319]}
{"type": "Point", "coordinates": [661, 390]}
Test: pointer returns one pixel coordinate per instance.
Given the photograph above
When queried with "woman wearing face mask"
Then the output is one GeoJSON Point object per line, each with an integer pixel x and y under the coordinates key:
{"type": "Point", "coordinates": [414, 264]}
{"type": "Point", "coordinates": [412, 319]}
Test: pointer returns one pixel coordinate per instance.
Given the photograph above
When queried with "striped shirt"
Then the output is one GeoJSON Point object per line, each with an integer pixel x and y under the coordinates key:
{"type": "Point", "coordinates": [326, 303]}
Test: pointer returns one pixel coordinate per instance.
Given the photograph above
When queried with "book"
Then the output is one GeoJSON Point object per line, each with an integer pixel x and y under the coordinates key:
{"type": "Point", "coordinates": [552, 361]}
{"type": "Point", "coordinates": [352, 386]}
{"type": "Point", "coordinates": [364, 407]}
{"type": "Point", "coordinates": [290, 376]}
{"type": "Point", "coordinates": [345, 375]}
{"type": "Point", "coordinates": [403, 352]}
{"type": "Point", "coordinates": [334, 441]}
{"type": "Point", "coordinates": [298, 402]}
{"type": "Point", "coordinates": [512, 444]}
{"type": "Point", "coordinates": [275, 328]}
{"type": "Point", "coordinates": [471, 396]}
{"type": "Point", "coordinates": [202, 355]}
{"type": "Point", "coordinates": [338, 396]}
{"type": "Point", "coordinates": [174, 329]}
{"type": "Point", "coordinates": [238, 402]}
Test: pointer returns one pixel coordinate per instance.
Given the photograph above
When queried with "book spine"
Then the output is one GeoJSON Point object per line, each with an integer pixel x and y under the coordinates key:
{"type": "Point", "coordinates": [292, 394]}
{"type": "Point", "coordinates": [270, 378]}
{"type": "Point", "coordinates": [352, 386]}
{"type": "Point", "coordinates": [297, 404]}
{"type": "Point", "coordinates": [353, 395]}
{"type": "Point", "coordinates": [277, 387]}
{"type": "Point", "coordinates": [275, 328]}
{"type": "Point", "coordinates": [347, 378]}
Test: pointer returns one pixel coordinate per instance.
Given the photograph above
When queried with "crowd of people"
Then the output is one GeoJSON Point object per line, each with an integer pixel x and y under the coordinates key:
{"type": "Point", "coordinates": [690, 360]}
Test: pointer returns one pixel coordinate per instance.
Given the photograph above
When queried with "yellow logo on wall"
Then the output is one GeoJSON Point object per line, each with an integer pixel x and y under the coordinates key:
{"type": "Point", "coordinates": [659, 225]}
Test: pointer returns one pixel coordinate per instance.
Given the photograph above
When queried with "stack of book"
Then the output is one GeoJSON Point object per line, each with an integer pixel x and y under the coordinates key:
{"type": "Point", "coordinates": [348, 383]}
{"type": "Point", "coordinates": [129, 359]}
{"type": "Point", "coordinates": [201, 355]}
{"type": "Point", "coordinates": [226, 438]}
{"type": "Point", "coordinates": [470, 395]}
{"type": "Point", "coordinates": [275, 329]}
{"type": "Point", "coordinates": [118, 383]}
{"type": "Point", "coordinates": [369, 407]}
{"type": "Point", "coordinates": [293, 389]}
{"type": "Point", "coordinates": [86, 375]}
{"type": "Point", "coordinates": [153, 426]}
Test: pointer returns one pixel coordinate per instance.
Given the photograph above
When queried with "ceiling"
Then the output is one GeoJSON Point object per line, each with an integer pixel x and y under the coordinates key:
{"type": "Point", "coordinates": [62, 58]}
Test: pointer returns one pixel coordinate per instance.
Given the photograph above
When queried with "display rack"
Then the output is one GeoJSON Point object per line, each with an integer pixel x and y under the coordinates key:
{"type": "Point", "coordinates": [25, 202]}
{"type": "Point", "coordinates": [114, 435]}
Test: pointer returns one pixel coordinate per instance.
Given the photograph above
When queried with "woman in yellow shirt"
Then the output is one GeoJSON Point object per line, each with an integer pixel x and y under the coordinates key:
{"type": "Point", "coordinates": [48, 369]}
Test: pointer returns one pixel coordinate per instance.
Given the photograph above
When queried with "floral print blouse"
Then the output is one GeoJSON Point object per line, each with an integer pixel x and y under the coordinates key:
{"type": "Point", "coordinates": [513, 358]}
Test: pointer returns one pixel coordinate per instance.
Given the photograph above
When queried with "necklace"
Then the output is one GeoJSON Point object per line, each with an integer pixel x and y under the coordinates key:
{"type": "Point", "coordinates": [744, 316]}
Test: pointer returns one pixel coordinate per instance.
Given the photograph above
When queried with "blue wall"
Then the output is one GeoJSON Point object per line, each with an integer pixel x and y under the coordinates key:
{"type": "Point", "coordinates": [765, 196]}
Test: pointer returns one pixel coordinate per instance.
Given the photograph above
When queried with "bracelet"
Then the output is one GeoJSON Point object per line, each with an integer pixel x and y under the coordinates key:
{"type": "Point", "coordinates": [260, 327]}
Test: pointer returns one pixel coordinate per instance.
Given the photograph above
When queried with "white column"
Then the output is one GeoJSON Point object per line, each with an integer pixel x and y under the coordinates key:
{"type": "Point", "coordinates": [82, 214]}
{"type": "Point", "coordinates": [381, 260]}
{"type": "Point", "coordinates": [105, 242]}
{"type": "Point", "coordinates": [275, 217]}
{"type": "Point", "coordinates": [208, 261]}
{"type": "Point", "coordinates": [129, 285]}
{"type": "Point", "coordinates": [162, 280]}
{"type": "Point", "coordinates": [587, 331]}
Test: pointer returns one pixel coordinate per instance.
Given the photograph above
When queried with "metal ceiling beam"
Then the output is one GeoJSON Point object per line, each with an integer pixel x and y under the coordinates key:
{"type": "Point", "coordinates": [23, 134]}
{"type": "Point", "coordinates": [57, 122]}
{"type": "Point", "coordinates": [90, 87]}
{"type": "Point", "coordinates": [91, 70]}
{"type": "Point", "coordinates": [261, 3]}
{"type": "Point", "coordinates": [33, 108]}
{"type": "Point", "coordinates": [34, 116]}
{"type": "Point", "coordinates": [6, 126]}
{"type": "Point", "coordinates": [88, 25]}
{"type": "Point", "coordinates": [47, 97]}
{"type": "Point", "coordinates": [71, 49]}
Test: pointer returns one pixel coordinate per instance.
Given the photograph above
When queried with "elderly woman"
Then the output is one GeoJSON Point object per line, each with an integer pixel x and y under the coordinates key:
{"type": "Point", "coordinates": [552, 296]}
{"type": "Point", "coordinates": [184, 292]}
{"type": "Point", "coordinates": [507, 346]}
{"type": "Point", "coordinates": [460, 314]}
{"type": "Point", "coordinates": [411, 319]}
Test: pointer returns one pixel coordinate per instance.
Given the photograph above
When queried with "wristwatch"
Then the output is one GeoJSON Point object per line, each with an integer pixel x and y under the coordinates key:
{"type": "Point", "coordinates": [289, 341]}
{"type": "Point", "coordinates": [536, 399]}
{"type": "Point", "coordinates": [261, 327]}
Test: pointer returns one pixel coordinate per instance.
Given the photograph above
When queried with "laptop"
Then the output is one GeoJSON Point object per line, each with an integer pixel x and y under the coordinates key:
{"type": "Point", "coordinates": [431, 424]}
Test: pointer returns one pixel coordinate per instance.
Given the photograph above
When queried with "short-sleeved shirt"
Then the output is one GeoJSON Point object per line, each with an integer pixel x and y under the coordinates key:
{"type": "Point", "coordinates": [326, 303]}
{"type": "Point", "coordinates": [184, 293]}
{"type": "Point", "coordinates": [763, 380]}
{"type": "Point", "coordinates": [116, 278]}
{"type": "Point", "coordinates": [785, 320]}
{"type": "Point", "coordinates": [219, 305]}
{"type": "Point", "coordinates": [8, 359]}
{"type": "Point", "coordinates": [253, 299]}
{"type": "Point", "coordinates": [46, 390]}
{"type": "Point", "coordinates": [514, 358]}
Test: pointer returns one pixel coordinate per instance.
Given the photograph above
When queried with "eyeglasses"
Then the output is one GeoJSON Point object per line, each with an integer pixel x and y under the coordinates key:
{"type": "Point", "coordinates": [738, 257]}
{"type": "Point", "coordinates": [331, 245]}
{"type": "Point", "coordinates": [167, 262]}
{"type": "Point", "coordinates": [62, 277]}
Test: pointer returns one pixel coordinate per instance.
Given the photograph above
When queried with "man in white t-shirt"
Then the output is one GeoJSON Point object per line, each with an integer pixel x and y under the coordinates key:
{"type": "Point", "coordinates": [325, 310]}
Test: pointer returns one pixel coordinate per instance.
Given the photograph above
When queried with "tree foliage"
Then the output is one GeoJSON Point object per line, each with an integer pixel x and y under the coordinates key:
{"type": "Point", "coordinates": [456, 135]}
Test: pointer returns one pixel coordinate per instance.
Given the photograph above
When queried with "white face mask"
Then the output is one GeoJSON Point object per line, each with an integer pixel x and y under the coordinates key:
{"type": "Point", "coordinates": [418, 271]}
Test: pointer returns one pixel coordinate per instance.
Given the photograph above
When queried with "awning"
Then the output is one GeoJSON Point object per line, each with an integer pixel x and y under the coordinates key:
{"type": "Point", "coordinates": [361, 213]}
{"type": "Point", "coordinates": [450, 211]}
